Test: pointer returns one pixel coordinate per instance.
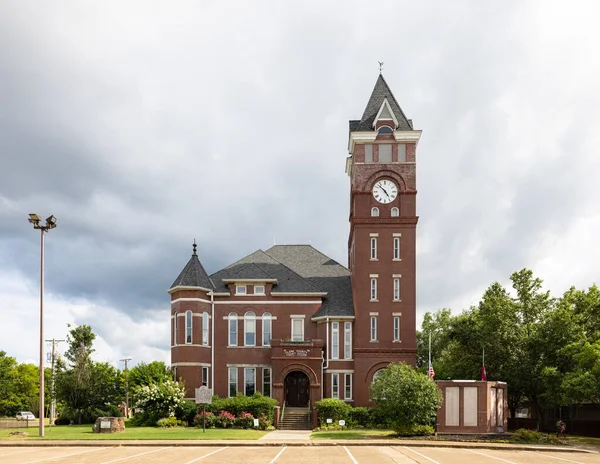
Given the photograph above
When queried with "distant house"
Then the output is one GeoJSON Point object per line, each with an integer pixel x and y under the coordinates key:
{"type": "Point", "coordinates": [291, 322]}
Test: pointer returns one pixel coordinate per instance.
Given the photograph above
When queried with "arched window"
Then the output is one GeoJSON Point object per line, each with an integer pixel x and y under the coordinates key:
{"type": "Point", "coordinates": [395, 212]}
{"type": "Point", "coordinates": [175, 330]}
{"type": "Point", "coordinates": [233, 329]}
{"type": "Point", "coordinates": [266, 329]}
{"type": "Point", "coordinates": [374, 211]}
{"type": "Point", "coordinates": [385, 130]}
{"type": "Point", "coordinates": [377, 374]}
{"type": "Point", "coordinates": [188, 327]}
{"type": "Point", "coordinates": [250, 329]}
{"type": "Point", "coordinates": [205, 328]}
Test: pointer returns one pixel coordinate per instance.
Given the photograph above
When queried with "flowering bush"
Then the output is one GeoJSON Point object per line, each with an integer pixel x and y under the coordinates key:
{"type": "Point", "coordinates": [158, 400]}
{"type": "Point", "coordinates": [225, 419]}
{"type": "Point", "coordinates": [245, 420]}
{"type": "Point", "coordinates": [211, 420]}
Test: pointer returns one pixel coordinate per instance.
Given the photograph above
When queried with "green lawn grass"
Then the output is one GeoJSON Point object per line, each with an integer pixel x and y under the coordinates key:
{"type": "Point", "coordinates": [587, 440]}
{"type": "Point", "coordinates": [354, 434]}
{"type": "Point", "coordinates": [84, 432]}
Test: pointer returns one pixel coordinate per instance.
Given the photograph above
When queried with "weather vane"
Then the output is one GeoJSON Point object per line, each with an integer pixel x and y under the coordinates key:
{"type": "Point", "coordinates": [380, 66]}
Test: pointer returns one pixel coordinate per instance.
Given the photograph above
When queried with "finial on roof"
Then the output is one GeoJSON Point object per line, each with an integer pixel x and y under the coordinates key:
{"type": "Point", "coordinates": [194, 246]}
{"type": "Point", "coordinates": [380, 66]}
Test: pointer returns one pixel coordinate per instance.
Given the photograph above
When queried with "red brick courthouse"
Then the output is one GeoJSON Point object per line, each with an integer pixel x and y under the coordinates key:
{"type": "Point", "coordinates": [293, 323]}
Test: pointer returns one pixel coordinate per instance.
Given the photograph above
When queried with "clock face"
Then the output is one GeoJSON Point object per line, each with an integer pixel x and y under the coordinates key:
{"type": "Point", "coordinates": [385, 191]}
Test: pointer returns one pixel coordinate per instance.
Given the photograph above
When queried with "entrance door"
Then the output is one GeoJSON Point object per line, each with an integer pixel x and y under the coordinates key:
{"type": "Point", "coordinates": [296, 390]}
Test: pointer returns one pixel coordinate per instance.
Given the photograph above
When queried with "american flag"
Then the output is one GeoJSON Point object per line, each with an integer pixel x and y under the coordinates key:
{"type": "Point", "coordinates": [483, 373]}
{"type": "Point", "coordinates": [431, 372]}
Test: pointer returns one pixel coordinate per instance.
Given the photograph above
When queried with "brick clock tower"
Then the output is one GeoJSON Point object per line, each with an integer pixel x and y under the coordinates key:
{"type": "Point", "coordinates": [382, 241]}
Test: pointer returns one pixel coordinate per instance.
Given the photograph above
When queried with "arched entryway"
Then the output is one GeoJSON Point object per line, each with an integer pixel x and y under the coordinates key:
{"type": "Point", "coordinates": [297, 390]}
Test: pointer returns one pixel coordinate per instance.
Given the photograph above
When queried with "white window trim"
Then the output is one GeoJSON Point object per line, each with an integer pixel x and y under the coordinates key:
{"type": "Point", "coordinates": [397, 210]}
{"type": "Point", "coordinates": [191, 327]}
{"type": "Point", "coordinates": [265, 321]}
{"type": "Point", "coordinates": [259, 293]}
{"type": "Point", "coordinates": [296, 318]}
{"type": "Point", "coordinates": [175, 330]}
{"type": "Point", "coordinates": [238, 287]}
{"type": "Point", "coordinates": [373, 251]}
{"type": "Point", "coordinates": [205, 332]}
{"type": "Point", "coordinates": [249, 317]}
{"type": "Point", "coordinates": [335, 331]}
{"type": "Point", "coordinates": [348, 340]}
{"type": "Point", "coordinates": [396, 328]}
{"type": "Point", "coordinates": [337, 377]}
{"type": "Point", "coordinates": [205, 368]}
{"type": "Point", "coordinates": [231, 318]}
{"type": "Point", "coordinates": [373, 288]}
{"type": "Point", "coordinates": [270, 381]}
{"type": "Point", "coordinates": [396, 295]}
{"type": "Point", "coordinates": [373, 328]}
{"type": "Point", "coordinates": [246, 379]}
{"type": "Point", "coordinates": [229, 370]}
{"type": "Point", "coordinates": [374, 211]}
{"type": "Point", "coordinates": [346, 385]}
{"type": "Point", "coordinates": [396, 249]}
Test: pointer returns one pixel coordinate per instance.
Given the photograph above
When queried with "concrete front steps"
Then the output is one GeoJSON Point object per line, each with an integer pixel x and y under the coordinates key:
{"type": "Point", "coordinates": [296, 419]}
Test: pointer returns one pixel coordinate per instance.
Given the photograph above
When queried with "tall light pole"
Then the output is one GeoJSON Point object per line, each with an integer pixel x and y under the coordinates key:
{"type": "Point", "coordinates": [37, 224]}
{"type": "Point", "coordinates": [125, 360]}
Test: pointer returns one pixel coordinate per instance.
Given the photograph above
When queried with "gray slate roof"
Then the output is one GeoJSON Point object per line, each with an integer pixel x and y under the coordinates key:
{"type": "Point", "coordinates": [193, 275]}
{"type": "Point", "coordinates": [380, 92]}
{"type": "Point", "coordinates": [260, 265]}
{"type": "Point", "coordinates": [323, 272]}
{"type": "Point", "coordinates": [297, 268]}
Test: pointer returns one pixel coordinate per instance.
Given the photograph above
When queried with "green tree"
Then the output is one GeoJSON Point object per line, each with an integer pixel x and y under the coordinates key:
{"type": "Point", "coordinates": [148, 374]}
{"type": "Point", "coordinates": [408, 397]}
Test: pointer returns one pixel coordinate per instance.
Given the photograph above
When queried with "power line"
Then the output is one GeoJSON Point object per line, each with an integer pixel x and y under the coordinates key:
{"type": "Point", "coordinates": [125, 360]}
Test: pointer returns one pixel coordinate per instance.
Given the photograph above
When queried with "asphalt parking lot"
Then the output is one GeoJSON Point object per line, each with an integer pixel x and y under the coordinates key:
{"type": "Point", "coordinates": [285, 455]}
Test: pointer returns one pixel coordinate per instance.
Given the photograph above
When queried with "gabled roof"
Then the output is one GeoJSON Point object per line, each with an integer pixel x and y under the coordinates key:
{"type": "Point", "coordinates": [321, 271]}
{"type": "Point", "coordinates": [381, 91]}
{"type": "Point", "coordinates": [193, 274]}
{"type": "Point", "coordinates": [259, 265]}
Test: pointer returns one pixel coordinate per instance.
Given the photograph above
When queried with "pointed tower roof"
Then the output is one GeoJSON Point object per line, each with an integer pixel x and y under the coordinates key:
{"type": "Point", "coordinates": [381, 92]}
{"type": "Point", "coordinates": [193, 274]}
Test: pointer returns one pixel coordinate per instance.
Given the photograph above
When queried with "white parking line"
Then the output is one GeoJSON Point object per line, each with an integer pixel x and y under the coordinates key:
{"type": "Point", "coordinates": [135, 455]}
{"type": "Point", "coordinates": [553, 457]}
{"type": "Point", "coordinates": [19, 452]}
{"type": "Point", "coordinates": [422, 455]}
{"type": "Point", "coordinates": [489, 456]}
{"type": "Point", "coordinates": [278, 454]}
{"type": "Point", "coordinates": [350, 454]}
{"type": "Point", "coordinates": [206, 455]}
{"type": "Point", "coordinates": [65, 456]}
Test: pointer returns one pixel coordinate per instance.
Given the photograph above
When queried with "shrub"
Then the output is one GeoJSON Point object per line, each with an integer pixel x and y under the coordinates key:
{"type": "Point", "coordinates": [158, 401]}
{"type": "Point", "coordinates": [171, 421]}
{"type": "Point", "coordinates": [359, 416]}
{"type": "Point", "coordinates": [62, 420]}
{"type": "Point", "coordinates": [211, 420]}
{"type": "Point", "coordinates": [413, 430]}
{"type": "Point", "coordinates": [532, 436]}
{"type": "Point", "coordinates": [186, 411]}
{"type": "Point", "coordinates": [225, 420]}
{"type": "Point", "coordinates": [245, 421]}
{"type": "Point", "coordinates": [332, 408]}
{"type": "Point", "coordinates": [257, 405]}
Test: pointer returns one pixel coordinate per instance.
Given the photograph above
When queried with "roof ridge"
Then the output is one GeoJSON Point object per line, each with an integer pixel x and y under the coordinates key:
{"type": "Point", "coordinates": [291, 270]}
{"type": "Point", "coordinates": [317, 250]}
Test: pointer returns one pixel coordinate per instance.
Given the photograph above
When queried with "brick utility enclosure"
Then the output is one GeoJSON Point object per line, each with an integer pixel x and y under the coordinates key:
{"type": "Point", "coordinates": [471, 406]}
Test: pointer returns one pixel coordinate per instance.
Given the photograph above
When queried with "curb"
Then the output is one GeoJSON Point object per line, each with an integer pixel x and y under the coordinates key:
{"type": "Point", "coordinates": [256, 443]}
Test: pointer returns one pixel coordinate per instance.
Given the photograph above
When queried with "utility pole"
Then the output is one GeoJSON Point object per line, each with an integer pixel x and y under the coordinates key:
{"type": "Point", "coordinates": [126, 387]}
{"type": "Point", "coordinates": [54, 342]}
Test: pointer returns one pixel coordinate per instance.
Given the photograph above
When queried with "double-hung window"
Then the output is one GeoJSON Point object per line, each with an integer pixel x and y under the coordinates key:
{"type": "Point", "coordinates": [373, 288]}
{"type": "Point", "coordinates": [298, 329]}
{"type": "Point", "coordinates": [266, 381]}
{"type": "Point", "coordinates": [240, 289]}
{"type": "Point", "coordinates": [396, 328]}
{"type": "Point", "coordinates": [175, 330]}
{"type": "Point", "coordinates": [335, 340]}
{"type": "Point", "coordinates": [396, 288]}
{"type": "Point", "coordinates": [205, 328]}
{"type": "Point", "coordinates": [396, 247]}
{"type": "Point", "coordinates": [373, 328]}
{"type": "Point", "coordinates": [205, 376]}
{"type": "Point", "coordinates": [233, 324]}
{"type": "Point", "coordinates": [266, 329]}
{"type": "Point", "coordinates": [249, 381]}
{"type": "Point", "coordinates": [249, 329]}
{"type": "Point", "coordinates": [259, 289]}
{"type": "Point", "coordinates": [373, 247]}
{"type": "Point", "coordinates": [348, 386]}
{"type": "Point", "coordinates": [347, 340]}
{"type": "Point", "coordinates": [233, 381]}
{"type": "Point", "coordinates": [335, 386]}
{"type": "Point", "coordinates": [188, 327]}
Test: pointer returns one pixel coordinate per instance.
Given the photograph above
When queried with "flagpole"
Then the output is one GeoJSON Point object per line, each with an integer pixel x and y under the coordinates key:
{"type": "Point", "coordinates": [484, 355]}
{"type": "Point", "coordinates": [430, 348]}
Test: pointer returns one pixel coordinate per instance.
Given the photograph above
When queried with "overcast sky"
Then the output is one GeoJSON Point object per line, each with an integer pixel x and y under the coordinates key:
{"type": "Point", "coordinates": [142, 125]}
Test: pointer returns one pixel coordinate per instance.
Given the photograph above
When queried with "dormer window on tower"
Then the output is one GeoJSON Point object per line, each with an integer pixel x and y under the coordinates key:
{"type": "Point", "coordinates": [385, 130]}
